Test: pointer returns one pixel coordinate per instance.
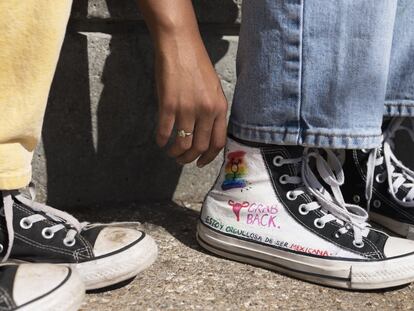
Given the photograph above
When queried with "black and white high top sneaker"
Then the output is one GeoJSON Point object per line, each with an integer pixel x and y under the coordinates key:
{"type": "Point", "coordinates": [378, 180]}
{"type": "Point", "coordinates": [34, 287]}
{"type": "Point", "coordinates": [102, 254]}
{"type": "Point", "coordinates": [282, 208]}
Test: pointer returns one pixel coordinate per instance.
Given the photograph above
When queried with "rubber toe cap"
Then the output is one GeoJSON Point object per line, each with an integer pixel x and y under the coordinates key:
{"type": "Point", "coordinates": [112, 239]}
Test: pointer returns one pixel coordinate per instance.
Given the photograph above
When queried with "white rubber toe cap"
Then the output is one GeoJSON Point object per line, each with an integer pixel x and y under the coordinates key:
{"type": "Point", "coordinates": [395, 247]}
{"type": "Point", "coordinates": [111, 239]}
{"type": "Point", "coordinates": [35, 280]}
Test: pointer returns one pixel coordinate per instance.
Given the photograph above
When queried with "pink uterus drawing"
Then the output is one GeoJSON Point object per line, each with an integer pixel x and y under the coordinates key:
{"type": "Point", "coordinates": [237, 206]}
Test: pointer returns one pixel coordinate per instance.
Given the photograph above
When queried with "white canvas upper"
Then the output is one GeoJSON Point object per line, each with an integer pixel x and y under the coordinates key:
{"type": "Point", "coordinates": [263, 217]}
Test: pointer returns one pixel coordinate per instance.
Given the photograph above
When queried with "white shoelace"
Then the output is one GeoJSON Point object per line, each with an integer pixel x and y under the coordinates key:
{"type": "Point", "coordinates": [63, 219]}
{"type": "Point", "coordinates": [398, 174]}
{"type": "Point", "coordinates": [334, 208]}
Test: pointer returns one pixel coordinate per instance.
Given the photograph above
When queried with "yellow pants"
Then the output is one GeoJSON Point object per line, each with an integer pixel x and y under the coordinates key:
{"type": "Point", "coordinates": [31, 36]}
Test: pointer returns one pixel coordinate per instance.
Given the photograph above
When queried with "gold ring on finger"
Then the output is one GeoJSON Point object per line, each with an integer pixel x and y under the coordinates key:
{"type": "Point", "coordinates": [182, 133]}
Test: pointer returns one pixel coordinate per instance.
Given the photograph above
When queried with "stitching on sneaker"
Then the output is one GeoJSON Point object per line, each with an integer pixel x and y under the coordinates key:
{"type": "Point", "coordinates": [298, 220]}
{"type": "Point", "coordinates": [84, 242]}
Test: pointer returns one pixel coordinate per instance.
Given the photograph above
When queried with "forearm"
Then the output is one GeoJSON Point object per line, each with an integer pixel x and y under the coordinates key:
{"type": "Point", "coordinates": [190, 96]}
{"type": "Point", "coordinates": [172, 24]}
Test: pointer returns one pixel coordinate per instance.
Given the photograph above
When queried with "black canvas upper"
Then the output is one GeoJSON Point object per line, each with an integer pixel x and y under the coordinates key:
{"type": "Point", "coordinates": [29, 244]}
{"type": "Point", "coordinates": [355, 168]}
{"type": "Point", "coordinates": [373, 244]}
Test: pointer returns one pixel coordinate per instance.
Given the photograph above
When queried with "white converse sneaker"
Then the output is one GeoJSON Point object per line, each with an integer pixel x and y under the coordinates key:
{"type": "Point", "coordinates": [34, 287]}
{"type": "Point", "coordinates": [103, 254]}
{"type": "Point", "coordinates": [269, 208]}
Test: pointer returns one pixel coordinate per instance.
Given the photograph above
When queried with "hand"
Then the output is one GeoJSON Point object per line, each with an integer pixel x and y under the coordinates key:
{"type": "Point", "coordinates": [191, 98]}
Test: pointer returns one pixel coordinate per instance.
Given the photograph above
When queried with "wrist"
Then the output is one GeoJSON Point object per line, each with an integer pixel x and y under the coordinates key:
{"type": "Point", "coordinates": [179, 45]}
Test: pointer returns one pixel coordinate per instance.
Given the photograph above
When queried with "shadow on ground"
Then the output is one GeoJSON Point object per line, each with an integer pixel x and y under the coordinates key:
{"type": "Point", "coordinates": [178, 221]}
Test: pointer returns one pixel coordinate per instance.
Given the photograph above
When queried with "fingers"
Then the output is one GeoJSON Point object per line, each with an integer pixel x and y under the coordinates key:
{"type": "Point", "coordinates": [182, 144]}
{"type": "Point", "coordinates": [166, 121]}
{"type": "Point", "coordinates": [217, 141]}
{"type": "Point", "coordinates": [201, 140]}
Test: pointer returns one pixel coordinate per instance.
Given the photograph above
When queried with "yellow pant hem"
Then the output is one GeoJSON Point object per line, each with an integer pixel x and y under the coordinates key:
{"type": "Point", "coordinates": [14, 182]}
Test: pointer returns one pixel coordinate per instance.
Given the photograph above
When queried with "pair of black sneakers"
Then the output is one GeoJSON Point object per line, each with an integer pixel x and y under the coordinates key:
{"type": "Point", "coordinates": [59, 257]}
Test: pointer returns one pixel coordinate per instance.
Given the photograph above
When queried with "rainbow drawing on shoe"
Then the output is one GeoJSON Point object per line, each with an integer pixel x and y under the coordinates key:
{"type": "Point", "coordinates": [235, 170]}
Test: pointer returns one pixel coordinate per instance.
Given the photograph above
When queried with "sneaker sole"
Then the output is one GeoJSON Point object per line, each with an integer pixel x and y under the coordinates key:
{"type": "Point", "coordinates": [67, 297]}
{"type": "Point", "coordinates": [119, 267]}
{"type": "Point", "coordinates": [403, 229]}
{"type": "Point", "coordinates": [349, 274]}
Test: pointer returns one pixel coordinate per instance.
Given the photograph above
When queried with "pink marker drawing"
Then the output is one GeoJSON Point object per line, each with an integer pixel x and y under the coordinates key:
{"type": "Point", "coordinates": [237, 206]}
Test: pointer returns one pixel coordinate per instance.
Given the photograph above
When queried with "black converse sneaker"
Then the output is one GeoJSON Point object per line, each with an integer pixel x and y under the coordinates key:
{"type": "Point", "coordinates": [282, 208]}
{"type": "Point", "coordinates": [377, 180]}
{"type": "Point", "coordinates": [34, 287]}
{"type": "Point", "coordinates": [103, 254]}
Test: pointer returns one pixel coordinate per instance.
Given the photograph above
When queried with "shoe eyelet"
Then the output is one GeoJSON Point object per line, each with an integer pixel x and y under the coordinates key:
{"type": "Point", "coordinates": [283, 179]}
{"type": "Point", "coordinates": [365, 150]}
{"type": "Point", "coordinates": [25, 223]}
{"type": "Point", "coordinates": [377, 203]}
{"type": "Point", "coordinates": [47, 233]}
{"type": "Point", "coordinates": [318, 223]}
{"type": "Point", "coordinates": [69, 243]}
{"type": "Point", "coordinates": [380, 178]}
{"type": "Point", "coordinates": [1, 248]}
{"type": "Point", "coordinates": [277, 161]}
{"type": "Point", "coordinates": [336, 235]}
{"type": "Point", "coordinates": [303, 210]}
{"type": "Point", "coordinates": [358, 244]}
{"type": "Point", "coordinates": [291, 196]}
{"type": "Point", "coordinates": [356, 198]}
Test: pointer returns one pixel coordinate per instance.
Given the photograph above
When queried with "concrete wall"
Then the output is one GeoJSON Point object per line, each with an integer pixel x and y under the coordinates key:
{"type": "Point", "coordinates": [98, 140]}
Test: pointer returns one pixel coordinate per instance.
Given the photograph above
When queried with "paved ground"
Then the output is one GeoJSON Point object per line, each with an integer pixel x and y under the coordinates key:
{"type": "Point", "coordinates": [187, 278]}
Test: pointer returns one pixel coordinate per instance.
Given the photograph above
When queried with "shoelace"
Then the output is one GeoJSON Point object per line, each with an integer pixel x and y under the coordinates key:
{"type": "Point", "coordinates": [398, 174]}
{"type": "Point", "coordinates": [334, 208]}
{"type": "Point", "coordinates": [63, 220]}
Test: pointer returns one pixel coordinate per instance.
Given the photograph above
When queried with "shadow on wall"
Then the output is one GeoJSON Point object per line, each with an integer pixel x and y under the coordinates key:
{"type": "Point", "coordinates": [99, 136]}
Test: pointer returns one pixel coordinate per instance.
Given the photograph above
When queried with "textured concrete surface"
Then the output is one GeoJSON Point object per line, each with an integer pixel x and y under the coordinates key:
{"type": "Point", "coordinates": [186, 278]}
{"type": "Point", "coordinates": [208, 11]}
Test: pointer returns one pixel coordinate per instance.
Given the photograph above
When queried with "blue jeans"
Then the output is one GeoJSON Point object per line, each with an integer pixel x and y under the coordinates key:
{"type": "Point", "coordinates": [323, 73]}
